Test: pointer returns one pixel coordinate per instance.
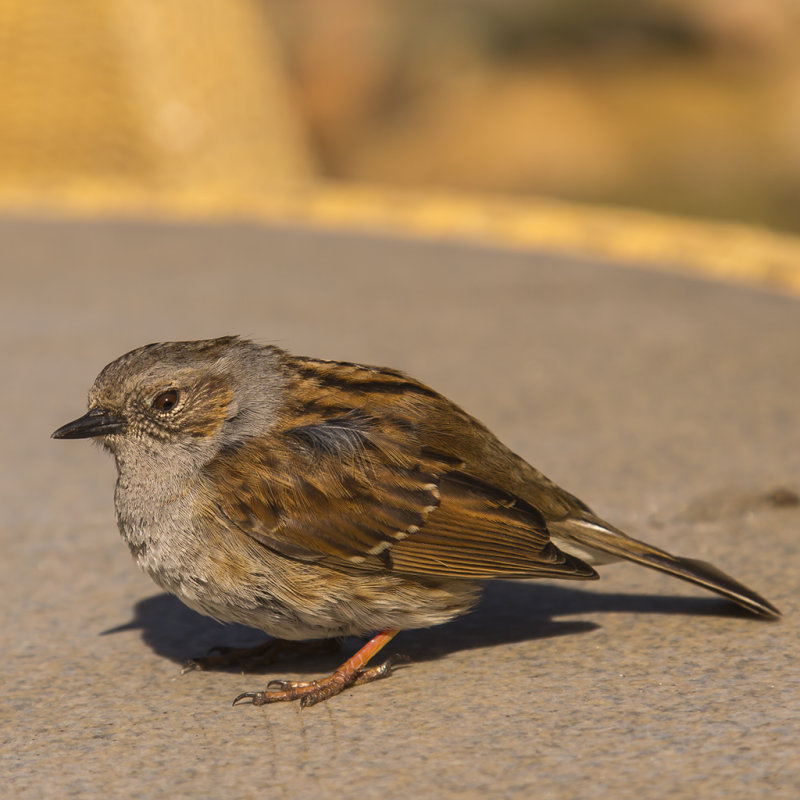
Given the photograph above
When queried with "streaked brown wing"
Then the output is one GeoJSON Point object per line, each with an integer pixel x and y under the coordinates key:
{"type": "Point", "coordinates": [354, 494]}
{"type": "Point", "coordinates": [481, 532]}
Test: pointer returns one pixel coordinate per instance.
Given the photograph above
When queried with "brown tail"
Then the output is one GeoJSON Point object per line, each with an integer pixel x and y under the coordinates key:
{"type": "Point", "coordinates": [605, 539]}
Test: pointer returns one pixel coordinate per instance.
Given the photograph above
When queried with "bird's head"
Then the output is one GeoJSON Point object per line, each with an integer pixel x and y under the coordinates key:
{"type": "Point", "coordinates": [186, 400]}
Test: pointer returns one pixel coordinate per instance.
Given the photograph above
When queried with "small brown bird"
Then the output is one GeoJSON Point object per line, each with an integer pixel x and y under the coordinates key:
{"type": "Point", "coordinates": [314, 499]}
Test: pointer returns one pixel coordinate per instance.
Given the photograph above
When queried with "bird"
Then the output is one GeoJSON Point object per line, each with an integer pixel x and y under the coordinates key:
{"type": "Point", "coordinates": [315, 499]}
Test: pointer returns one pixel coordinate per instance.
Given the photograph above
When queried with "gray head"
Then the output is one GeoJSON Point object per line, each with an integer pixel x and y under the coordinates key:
{"type": "Point", "coordinates": [197, 395]}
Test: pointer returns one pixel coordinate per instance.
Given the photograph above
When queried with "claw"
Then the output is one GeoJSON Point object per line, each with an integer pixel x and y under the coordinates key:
{"type": "Point", "coordinates": [251, 696]}
{"type": "Point", "coordinates": [384, 670]}
{"type": "Point", "coordinates": [352, 673]}
{"type": "Point", "coordinates": [387, 667]}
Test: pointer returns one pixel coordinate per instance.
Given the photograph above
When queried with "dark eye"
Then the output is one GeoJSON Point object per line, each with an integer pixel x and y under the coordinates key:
{"type": "Point", "coordinates": [166, 400]}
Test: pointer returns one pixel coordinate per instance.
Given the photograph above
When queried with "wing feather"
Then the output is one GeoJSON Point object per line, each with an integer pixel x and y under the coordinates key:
{"type": "Point", "coordinates": [354, 493]}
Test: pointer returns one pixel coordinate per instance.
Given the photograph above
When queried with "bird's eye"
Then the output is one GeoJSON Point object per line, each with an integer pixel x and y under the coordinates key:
{"type": "Point", "coordinates": [166, 401]}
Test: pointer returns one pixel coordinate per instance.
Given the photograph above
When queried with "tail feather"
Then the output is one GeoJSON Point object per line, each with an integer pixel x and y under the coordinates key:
{"type": "Point", "coordinates": [580, 537]}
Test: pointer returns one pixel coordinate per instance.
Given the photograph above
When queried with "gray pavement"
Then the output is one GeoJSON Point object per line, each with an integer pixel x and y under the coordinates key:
{"type": "Point", "coordinates": [670, 405]}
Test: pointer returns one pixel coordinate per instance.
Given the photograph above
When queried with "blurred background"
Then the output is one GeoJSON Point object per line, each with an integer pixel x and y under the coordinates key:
{"type": "Point", "coordinates": [689, 107]}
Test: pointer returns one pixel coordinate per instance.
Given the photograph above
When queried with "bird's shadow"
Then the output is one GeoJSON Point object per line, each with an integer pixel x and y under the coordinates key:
{"type": "Point", "coordinates": [507, 613]}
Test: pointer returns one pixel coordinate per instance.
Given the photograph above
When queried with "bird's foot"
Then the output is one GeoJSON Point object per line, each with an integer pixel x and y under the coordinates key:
{"type": "Point", "coordinates": [268, 652]}
{"type": "Point", "coordinates": [311, 692]}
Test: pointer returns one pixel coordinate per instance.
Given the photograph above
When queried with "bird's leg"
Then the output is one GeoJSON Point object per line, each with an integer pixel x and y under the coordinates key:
{"type": "Point", "coordinates": [265, 653]}
{"type": "Point", "coordinates": [353, 672]}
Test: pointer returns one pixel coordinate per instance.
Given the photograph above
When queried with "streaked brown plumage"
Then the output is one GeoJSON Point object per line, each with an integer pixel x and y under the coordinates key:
{"type": "Point", "coordinates": [315, 499]}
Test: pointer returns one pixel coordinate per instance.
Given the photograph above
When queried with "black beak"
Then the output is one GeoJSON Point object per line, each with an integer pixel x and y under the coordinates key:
{"type": "Point", "coordinates": [96, 422]}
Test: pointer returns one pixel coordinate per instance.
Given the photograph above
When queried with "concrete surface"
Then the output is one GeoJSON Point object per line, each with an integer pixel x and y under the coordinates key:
{"type": "Point", "coordinates": [669, 404]}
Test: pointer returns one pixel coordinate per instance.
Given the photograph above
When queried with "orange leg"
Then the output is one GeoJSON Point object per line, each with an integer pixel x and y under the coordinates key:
{"type": "Point", "coordinates": [352, 673]}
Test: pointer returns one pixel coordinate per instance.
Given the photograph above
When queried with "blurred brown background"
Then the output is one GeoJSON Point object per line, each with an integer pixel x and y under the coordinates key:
{"type": "Point", "coordinates": [676, 105]}
{"type": "Point", "coordinates": [231, 106]}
